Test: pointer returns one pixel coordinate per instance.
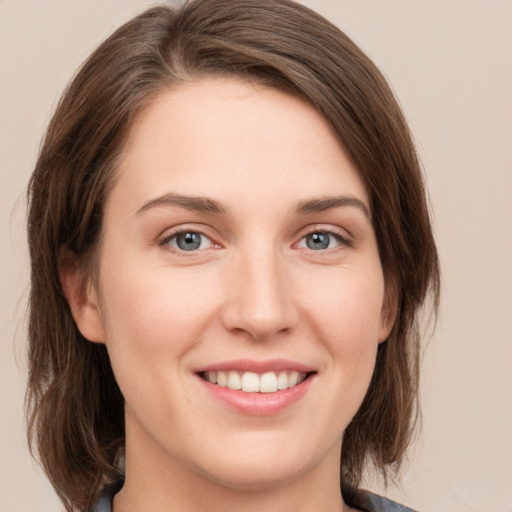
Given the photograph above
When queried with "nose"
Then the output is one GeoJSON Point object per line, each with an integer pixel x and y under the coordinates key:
{"type": "Point", "coordinates": [259, 299]}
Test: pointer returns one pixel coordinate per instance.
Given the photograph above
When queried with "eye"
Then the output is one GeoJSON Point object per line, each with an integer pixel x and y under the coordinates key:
{"type": "Point", "coordinates": [320, 241]}
{"type": "Point", "coordinates": [188, 241]}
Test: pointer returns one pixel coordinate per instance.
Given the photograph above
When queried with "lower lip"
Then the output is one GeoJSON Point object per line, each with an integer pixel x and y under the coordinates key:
{"type": "Point", "coordinates": [259, 404]}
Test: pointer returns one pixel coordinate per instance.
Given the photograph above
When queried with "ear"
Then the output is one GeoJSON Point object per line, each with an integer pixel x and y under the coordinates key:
{"type": "Point", "coordinates": [388, 312]}
{"type": "Point", "coordinates": [81, 296]}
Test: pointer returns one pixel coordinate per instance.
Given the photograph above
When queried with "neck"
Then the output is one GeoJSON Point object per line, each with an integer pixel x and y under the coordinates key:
{"type": "Point", "coordinates": [166, 485]}
{"type": "Point", "coordinates": [289, 498]}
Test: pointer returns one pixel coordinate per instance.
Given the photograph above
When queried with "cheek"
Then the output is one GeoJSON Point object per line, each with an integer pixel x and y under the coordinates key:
{"type": "Point", "coordinates": [347, 310]}
{"type": "Point", "coordinates": [345, 319]}
{"type": "Point", "coordinates": [153, 316]}
{"type": "Point", "coordinates": [152, 321]}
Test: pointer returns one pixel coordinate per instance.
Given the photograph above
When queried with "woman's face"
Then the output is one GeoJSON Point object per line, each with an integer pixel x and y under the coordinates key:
{"type": "Point", "coordinates": [238, 248]}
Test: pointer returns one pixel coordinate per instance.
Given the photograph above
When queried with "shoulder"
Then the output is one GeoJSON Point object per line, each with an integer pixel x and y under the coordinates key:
{"type": "Point", "coordinates": [374, 503]}
{"type": "Point", "coordinates": [104, 503]}
{"type": "Point", "coordinates": [367, 501]}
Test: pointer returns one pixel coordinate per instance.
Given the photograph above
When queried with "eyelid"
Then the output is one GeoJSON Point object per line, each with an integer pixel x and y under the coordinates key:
{"type": "Point", "coordinates": [171, 233]}
{"type": "Point", "coordinates": [202, 236]}
{"type": "Point", "coordinates": [340, 234]}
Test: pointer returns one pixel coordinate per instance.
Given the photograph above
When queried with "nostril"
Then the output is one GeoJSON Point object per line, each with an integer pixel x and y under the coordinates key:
{"type": "Point", "coordinates": [259, 308]}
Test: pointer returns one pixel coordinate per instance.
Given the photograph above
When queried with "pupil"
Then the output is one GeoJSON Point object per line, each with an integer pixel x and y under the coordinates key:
{"type": "Point", "coordinates": [317, 241]}
{"type": "Point", "coordinates": [189, 241]}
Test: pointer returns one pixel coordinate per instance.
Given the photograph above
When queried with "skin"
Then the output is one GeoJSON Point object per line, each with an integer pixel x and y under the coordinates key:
{"type": "Point", "coordinates": [253, 290]}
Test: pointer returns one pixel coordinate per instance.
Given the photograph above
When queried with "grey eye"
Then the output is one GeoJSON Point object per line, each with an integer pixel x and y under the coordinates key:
{"type": "Point", "coordinates": [320, 240]}
{"type": "Point", "coordinates": [317, 241]}
{"type": "Point", "coordinates": [189, 241]}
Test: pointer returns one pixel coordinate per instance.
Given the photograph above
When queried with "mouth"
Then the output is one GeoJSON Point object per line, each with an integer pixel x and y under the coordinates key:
{"type": "Point", "coordinates": [257, 388]}
{"type": "Point", "coordinates": [252, 382]}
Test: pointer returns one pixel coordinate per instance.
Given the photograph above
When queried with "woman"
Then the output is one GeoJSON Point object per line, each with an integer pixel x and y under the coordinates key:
{"type": "Point", "coordinates": [230, 244]}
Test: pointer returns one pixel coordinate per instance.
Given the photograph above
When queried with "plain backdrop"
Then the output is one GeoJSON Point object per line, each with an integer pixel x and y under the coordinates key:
{"type": "Point", "coordinates": [450, 63]}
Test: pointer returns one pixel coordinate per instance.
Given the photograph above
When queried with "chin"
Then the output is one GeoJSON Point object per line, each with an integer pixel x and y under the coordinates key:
{"type": "Point", "coordinates": [255, 477]}
{"type": "Point", "coordinates": [257, 469]}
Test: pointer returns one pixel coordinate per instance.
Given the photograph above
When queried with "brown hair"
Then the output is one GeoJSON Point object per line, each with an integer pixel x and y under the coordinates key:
{"type": "Point", "coordinates": [74, 406]}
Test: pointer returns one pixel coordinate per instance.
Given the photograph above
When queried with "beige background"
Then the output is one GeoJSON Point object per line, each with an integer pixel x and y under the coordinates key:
{"type": "Point", "coordinates": [450, 63]}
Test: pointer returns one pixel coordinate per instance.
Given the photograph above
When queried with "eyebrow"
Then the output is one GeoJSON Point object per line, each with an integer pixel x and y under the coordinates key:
{"type": "Point", "coordinates": [194, 203]}
{"type": "Point", "coordinates": [321, 204]}
{"type": "Point", "coordinates": [207, 205]}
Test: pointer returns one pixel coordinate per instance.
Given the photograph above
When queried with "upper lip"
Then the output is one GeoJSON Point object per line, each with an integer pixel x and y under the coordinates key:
{"type": "Point", "coordinates": [256, 366]}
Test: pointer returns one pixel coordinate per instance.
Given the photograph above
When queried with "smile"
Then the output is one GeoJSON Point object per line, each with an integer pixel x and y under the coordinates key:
{"type": "Point", "coordinates": [251, 382]}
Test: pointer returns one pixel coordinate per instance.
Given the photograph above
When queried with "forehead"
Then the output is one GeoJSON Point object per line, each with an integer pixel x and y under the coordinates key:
{"type": "Point", "coordinates": [222, 136]}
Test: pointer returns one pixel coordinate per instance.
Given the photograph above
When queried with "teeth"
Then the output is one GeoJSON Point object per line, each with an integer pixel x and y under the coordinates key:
{"type": "Point", "coordinates": [293, 378]}
{"type": "Point", "coordinates": [222, 379]}
{"type": "Point", "coordinates": [251, 382]}
{"type": "Point", "coordinates": [234, 380]}
{"type": "Point", "coordinates": [268, 382]}
{"type": "Point", "coordinates": [282, 381]}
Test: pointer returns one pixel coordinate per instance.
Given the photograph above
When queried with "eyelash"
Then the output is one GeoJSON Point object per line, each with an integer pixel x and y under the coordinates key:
{"type": "Point", "coordinates": [341, 240]}
{"type": "Point", "coordinates": [166, 241]}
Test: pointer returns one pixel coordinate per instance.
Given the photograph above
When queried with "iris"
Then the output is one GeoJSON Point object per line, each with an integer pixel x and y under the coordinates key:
{"type": "Point", "coordinates": [318, 241]}
{"type": "Point", "coordinates": [189, 241]}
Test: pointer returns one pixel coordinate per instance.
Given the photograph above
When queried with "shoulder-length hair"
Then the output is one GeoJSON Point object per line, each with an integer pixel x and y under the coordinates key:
{"type": "Point", "coordinates": [74, 406]}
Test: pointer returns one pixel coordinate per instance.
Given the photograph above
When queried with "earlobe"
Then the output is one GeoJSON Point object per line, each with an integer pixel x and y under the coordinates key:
{"type": "Point", "coordinates": [82, 298]}
{"type": "Point", "coordinates": [388, 313]}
